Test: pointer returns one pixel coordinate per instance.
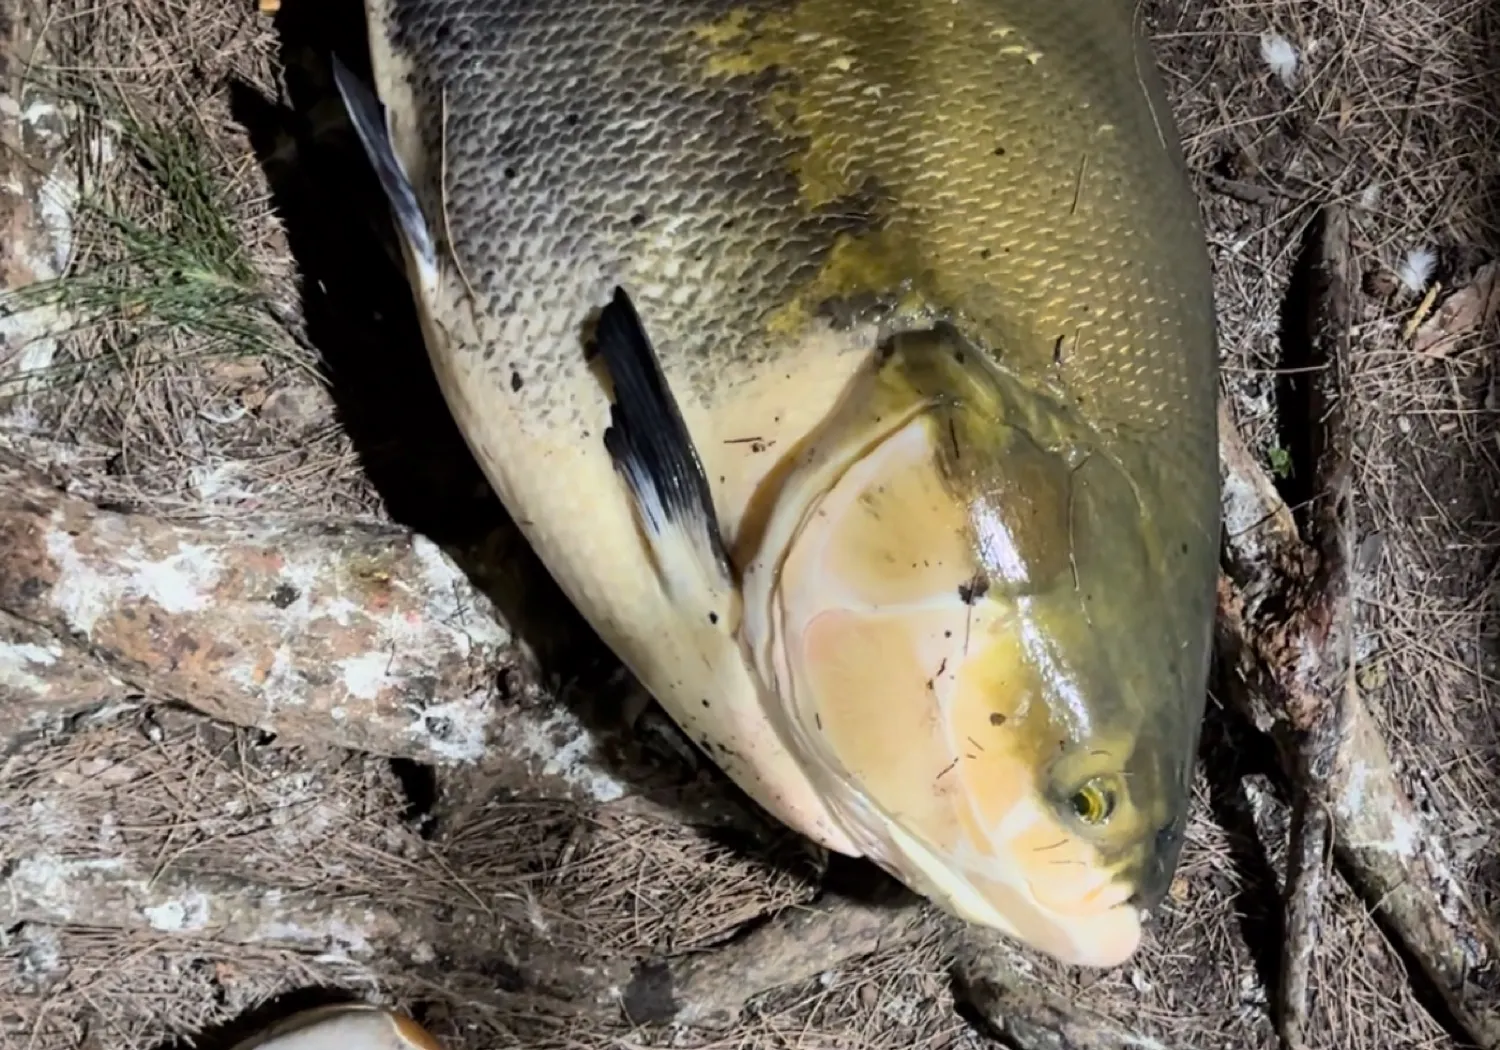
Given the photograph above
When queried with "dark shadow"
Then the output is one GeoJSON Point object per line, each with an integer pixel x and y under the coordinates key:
{"type": "Point", "coordinates": [1296, 386]}
{"type": "Point", "coordinates": [357, 305]}
{"type": "Point", "coordinates": [359, 315]}
{"type": "Point", "coordinates": [420, 789]}
{"type": "Point", "coordinates": [1229, 751]}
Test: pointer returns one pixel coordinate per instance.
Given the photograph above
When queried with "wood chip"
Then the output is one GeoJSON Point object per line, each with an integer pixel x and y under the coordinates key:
{"type": "Point", "coordinates": [1467, 310]}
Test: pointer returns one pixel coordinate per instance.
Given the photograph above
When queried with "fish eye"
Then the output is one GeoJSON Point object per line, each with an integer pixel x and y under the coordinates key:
{"type": "Point", "coordinates": [1094, 803]}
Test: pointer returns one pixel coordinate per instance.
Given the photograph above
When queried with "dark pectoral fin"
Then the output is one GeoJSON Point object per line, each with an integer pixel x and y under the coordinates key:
{"type": "Point", "coordinates": [369, 123]}
{"type": "Point", "coordinates": [653, 452]}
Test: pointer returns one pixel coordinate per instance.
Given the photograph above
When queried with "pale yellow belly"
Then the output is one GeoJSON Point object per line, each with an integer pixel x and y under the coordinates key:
{"type": "Point", "coordinates": [563, 491]}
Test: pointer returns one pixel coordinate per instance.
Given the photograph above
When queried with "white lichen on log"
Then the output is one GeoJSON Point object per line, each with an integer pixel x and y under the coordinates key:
{"type": "Point", "coordinates": [286, 629]}
{"type": "Point", "coordinates": [361, 636]}
{"type": "Point", "coordinates": [106, 893]}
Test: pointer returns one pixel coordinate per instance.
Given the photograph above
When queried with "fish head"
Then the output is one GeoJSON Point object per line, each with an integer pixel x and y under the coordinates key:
{"type": "Point", "coordinates": [984, 650]}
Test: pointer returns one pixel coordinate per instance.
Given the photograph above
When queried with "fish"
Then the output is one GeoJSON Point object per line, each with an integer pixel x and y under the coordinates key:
{"type": "Point", "coordinates": [852, 367]}
{"type": "Point", "coordinates": [342, 1026]}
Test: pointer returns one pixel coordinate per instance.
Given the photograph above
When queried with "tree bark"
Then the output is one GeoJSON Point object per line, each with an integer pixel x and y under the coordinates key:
{"type": "Point", "coordinates": [361, 636]}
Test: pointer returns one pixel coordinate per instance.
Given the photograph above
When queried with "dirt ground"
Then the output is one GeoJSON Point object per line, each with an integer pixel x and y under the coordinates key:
{"type": "Point", "coordinates": [201, 267]}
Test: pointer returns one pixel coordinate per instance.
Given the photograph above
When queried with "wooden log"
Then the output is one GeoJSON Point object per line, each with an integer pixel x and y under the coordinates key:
{"type": "Point", "coordinates": [111, 894]}
{"type": "Point", "coordinates": [361, 636]}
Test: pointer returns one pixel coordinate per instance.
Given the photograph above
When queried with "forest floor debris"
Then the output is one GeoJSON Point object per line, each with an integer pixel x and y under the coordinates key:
{"type": "Point", "coordinates": [182, 268]}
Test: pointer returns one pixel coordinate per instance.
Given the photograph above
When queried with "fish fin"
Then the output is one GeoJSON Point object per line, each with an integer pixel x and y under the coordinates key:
{"type": "Point", "coordinates": [654, 454]}
{"type": "Point", "coordinates": [365, 113]}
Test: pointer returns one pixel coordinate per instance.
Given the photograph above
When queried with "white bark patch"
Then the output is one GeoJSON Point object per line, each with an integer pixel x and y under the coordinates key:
{"type": "Point", "coordinates": [17, 661]}
{"type": "Point", "coordinates": [448, 585]}
{"type": "Point", "coordinates": [568, 750]}
{"type": "Point", "coordinates": [456, 730]}
{"type": "Point", "coordinates": [1244, 513]}
{"type": "Point", "coordinates": [30, 336]}
{"type": "Point", "coordinates": [180, 583]}
{"type": "Point", "coordinates": [191, 911]}
{"type": "Point", "coordinates": [81, 594]}
{"type": "Point", "coordinates": [1371, 825]}
{"type": "Point", "coordinates": [282, 684]}
{"type": "Point", "coordinates": [52, 882]}
{"type": "Point", "coordinates": [410, 641]}
{"type": "Point", "coordinates": [84, 593]}
{"type": "Point", "coordinates": [56, 203]}
{"type": "Point", "coordinates": [343, 937]}
{"type": "Point", "coordinates": [366, 675]}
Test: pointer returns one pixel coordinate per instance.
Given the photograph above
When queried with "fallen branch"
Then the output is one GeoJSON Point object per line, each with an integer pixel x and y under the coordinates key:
{"type": "Point", "coordinates": [43, 681]}
{"type": "Point", "coordinates": [1023, 1012]}
{"type": "Point", "coordinates": [107, 893]}
{"type": "Point", "coordinates": [1378, 836]}
{"type": "Point", "coordinates": [709, 990]}
{"type": "Point", "coordinates": [1325, 673]}
{"type": "Point", "coordinates": [1307, 881]}
{"type": "Point", "coordinates": [1286, 640]}
{"type": "Point", "coordinates": [363, 636]}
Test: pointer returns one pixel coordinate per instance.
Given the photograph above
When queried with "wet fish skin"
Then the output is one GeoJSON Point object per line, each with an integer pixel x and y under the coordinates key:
{"type": "Point", "coordinates": [781, 185]}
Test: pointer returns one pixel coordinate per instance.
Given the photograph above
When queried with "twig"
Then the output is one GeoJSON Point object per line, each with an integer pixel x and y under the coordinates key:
{"type": "Point", "coordinates": [109, 894]}
{"type": "Point", "coordinates": [1307, 878]}
{"type": "Point", "coordinates": [1023, 1012]}
{"type": "Point", "coordinates": [710, 990]}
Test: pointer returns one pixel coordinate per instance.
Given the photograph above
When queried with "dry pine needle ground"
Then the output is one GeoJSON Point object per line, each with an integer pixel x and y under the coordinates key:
{"type": "Point", "coordinates": [186, 384]}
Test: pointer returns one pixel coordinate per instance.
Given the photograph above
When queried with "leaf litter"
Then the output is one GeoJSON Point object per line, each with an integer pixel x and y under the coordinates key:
{"type": "Point", "coordinates": [185, 340]}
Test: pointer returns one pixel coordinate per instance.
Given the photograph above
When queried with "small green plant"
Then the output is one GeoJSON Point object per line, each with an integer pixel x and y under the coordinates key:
{"type": "Point", "coordinates": [1281, 461]}
{"type": "Point", "coordinates": [163, 259]}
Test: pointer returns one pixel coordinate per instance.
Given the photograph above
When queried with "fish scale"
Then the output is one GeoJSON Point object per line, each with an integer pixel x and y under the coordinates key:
{"type": "Point", "coordinates": [783, 186]}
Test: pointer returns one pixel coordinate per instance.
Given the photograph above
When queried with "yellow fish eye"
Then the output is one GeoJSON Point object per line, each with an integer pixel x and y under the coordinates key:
{"type": "Point", "coordinates": [1094, 803]}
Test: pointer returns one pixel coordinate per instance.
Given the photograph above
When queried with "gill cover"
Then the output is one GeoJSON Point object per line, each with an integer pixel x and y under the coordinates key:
{"type": "Point", "coordinates": [947, 599]}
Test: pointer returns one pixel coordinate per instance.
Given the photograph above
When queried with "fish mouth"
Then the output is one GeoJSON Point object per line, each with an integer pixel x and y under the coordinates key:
{"type": "Point", "coordinates": [1102, 930]}
{"type": "Point", "coordinates": [1150, 879]}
